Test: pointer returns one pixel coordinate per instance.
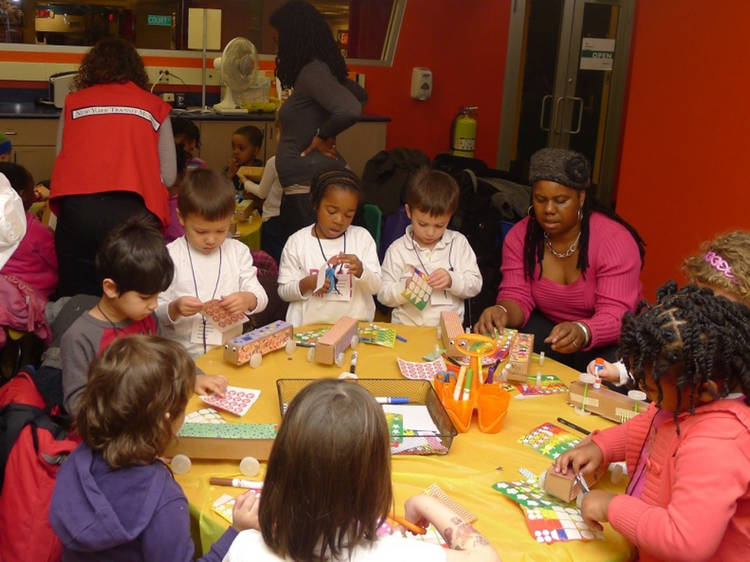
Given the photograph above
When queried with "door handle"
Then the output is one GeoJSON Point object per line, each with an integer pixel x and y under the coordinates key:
{"type": "Point", "coordinates": [556, 114]}
{"type": "Point", "coordinates": [577, 130]}
{"type": "Point", "coordinates": [545, 99]}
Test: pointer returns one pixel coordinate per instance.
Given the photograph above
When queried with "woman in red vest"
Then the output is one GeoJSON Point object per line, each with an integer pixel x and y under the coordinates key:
{"type": "Point", "coordinates": [116, 157]}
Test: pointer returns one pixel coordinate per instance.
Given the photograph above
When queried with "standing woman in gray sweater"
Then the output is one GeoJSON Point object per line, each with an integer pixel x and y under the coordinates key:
{"type": "Point", "coordinates": [323, 104]}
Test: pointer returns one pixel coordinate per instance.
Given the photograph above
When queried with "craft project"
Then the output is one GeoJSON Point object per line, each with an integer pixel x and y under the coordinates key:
{"type": "Point", "coordinates": [550, 384]}
{"type": "Point", "coordinates": [308, 338]}
{"type": "Point", "coordinates": [236, 400]}
{"type": "Point", "coordinates": [224, 505]}
{"type": "Point", "coordinates": [518, 359]}
{"type": "Point", "coordinates": [223, 440]}
{"type": "Point", "coordinates": [437, 492]}
{"type": "Point", "coordinates": [550, 440]}
{"type": "Point", "coordinates": [214, 312]}
{"type": "Point", "coordinates": [377, 335]}
{"type": "Point", "coordinates": [605, 402]}
{"type": "Point", "coordinates": [329, 349]}
{"type": "Point", "coordinates": [251, 346]}
{"type": "Point", "coordinates": [566, 486]}
{"type": "Point", "coordinates": [340, 283]}
{"type": "Point", "coordinates": [206, 415]}
{"type": "Point", "coordinates": [417, 290]}
{"type": "Point", "coordinates": [548, 519]}
{"type": "Point", "coordinates": [421, 371]}
{"type": "Point", "coordinates": [450, 328]}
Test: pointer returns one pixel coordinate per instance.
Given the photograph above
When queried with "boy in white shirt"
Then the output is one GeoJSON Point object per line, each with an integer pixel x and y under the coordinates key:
{"type": "Point", "coordinates": [208, 267]}
{"type": "Point", "coordinates": [443, 256]}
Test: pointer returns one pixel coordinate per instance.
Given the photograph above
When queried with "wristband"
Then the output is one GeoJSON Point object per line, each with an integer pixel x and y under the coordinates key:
{"type": "Point", "coordinates": [586, 333]}
{"type": "Point", "coordinates": [501, 307]}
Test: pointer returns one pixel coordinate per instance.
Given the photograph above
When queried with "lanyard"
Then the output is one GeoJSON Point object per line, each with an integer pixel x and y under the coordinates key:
{"type": "Point", "coordinates": [450, 253]}
{"type": "Point", "coordinates": [320, 244]}
{"type": "Point", "coordinates": [195, 284]}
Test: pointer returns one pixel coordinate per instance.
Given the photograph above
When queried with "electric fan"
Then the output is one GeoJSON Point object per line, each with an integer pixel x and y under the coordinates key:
{"type": "Point", "coordinates": [238, 74]}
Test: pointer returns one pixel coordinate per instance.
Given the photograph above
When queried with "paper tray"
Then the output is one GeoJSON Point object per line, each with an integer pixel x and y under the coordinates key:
{"type": "Point", "coordinates": [417, 391]}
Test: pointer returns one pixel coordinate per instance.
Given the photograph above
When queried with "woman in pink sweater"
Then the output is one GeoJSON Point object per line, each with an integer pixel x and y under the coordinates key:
{"type": "Point", "coordinates": [689, 453]}
{"type": "Point", "coordinates": [570, 270]}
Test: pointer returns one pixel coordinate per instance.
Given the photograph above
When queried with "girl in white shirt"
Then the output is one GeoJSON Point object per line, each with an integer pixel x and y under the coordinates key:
{"type": "Point", "coordinates": [346, 253]}
{"type": "Point", "coordinates": [328, 490]}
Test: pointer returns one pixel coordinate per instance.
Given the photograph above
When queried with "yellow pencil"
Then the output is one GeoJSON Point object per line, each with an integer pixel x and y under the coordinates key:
{"type": "Point", "coordinates": [408, 525]}
{"type": "Point", "coordinates": [458, 391]}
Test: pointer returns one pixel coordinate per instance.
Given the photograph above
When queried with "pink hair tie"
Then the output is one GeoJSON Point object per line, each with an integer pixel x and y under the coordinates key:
{"type": "Point", "coordinates": [720, 265]}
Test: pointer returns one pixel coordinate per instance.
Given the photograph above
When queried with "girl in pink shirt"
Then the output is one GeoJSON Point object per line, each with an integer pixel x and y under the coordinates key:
{"type": "Point", "coordinates": [689, 453]}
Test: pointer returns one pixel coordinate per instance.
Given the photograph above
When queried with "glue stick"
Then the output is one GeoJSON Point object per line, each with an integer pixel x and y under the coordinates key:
{"type": "Point", "coordinates": [598, 368]}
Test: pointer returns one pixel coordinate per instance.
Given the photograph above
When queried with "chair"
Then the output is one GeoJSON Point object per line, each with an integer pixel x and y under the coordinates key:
{"type": "Point", "coordinates": [373, 222]}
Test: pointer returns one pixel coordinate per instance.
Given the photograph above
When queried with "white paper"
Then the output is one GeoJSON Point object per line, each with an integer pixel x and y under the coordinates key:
{"type": "Point", "coordinates": [416, 416]}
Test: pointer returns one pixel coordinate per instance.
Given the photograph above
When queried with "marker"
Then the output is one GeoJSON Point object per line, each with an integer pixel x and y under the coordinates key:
{"type": "Point", "coordinates": [573, 426]}
{"type": "Point", "coordinates": [467, 384]}
{"type": "Point", "coordinates": [235, 483]}
{"type": "Point", "coordinates": [353, 364]}
{"type": "Point", "coordinates": [392, 399]}
{"type": "Point", "coordinates": [408, 525]}
{"type": "Point", "coordinates": [458, 391]}
{"type": "Point", "coordinates": [401, 338]}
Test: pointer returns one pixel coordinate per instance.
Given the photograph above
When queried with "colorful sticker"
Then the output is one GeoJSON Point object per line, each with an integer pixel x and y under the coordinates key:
{"type": "Point", "coordinates": [550, 440]}
{"type": "Point", "coordinates": [377, 335]}
{"type": "Point", "coordinates": [308, 338]}
{"type": "Point", "coordinates": [229, 430]}
{"type": "Point", "coordinates": [236, 400]}
{"type": "Point", "coordinates": [421, 371]}
{"type": "Point", "coordinates": [217, 314]}
{"type": "Point", "coordinates": [418, 291]}
{"type": "Point", "coordinates": [550, 384]}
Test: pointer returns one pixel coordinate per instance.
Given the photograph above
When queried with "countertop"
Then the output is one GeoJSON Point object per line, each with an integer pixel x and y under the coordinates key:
{"type": "Point", "coordinates": [30, 110]}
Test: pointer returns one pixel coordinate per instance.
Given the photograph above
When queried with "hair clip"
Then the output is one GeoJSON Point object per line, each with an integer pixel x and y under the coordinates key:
{"type": "Point", "coordinates": [720, 264]}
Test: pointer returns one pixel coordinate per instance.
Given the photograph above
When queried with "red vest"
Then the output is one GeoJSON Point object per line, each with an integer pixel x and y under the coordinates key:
{"type": "Point", "coordinates": [110, 143]}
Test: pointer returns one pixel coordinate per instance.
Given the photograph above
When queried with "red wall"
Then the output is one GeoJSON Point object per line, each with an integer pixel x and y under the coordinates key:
{"type": "Point", "coordinates": [464, 44]}
{"type": "Point", "coordinates": [684, 167]}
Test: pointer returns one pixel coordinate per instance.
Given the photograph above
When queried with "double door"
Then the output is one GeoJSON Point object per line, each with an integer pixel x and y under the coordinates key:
{"type": "Point", "coordinates": [565, 81]}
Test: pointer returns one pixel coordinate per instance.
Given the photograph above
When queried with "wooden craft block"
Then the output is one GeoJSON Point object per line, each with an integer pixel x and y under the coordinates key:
{"type": "Point", "coordinates": [233, 441]}
{"type": "Point", "coordinates": [521, 349]}
{"type": "Point", "coordinates": [335, 341]}
{"type": "Point", "coordinates": [605, 402]}
{"type": "Point", "coordinates": [450, 330]}
{"type": "Point", "coordinates": [255, 173]}
{"type": "Point", "coordinates": [262, 340]}
{"type": "Point", "coordinates": [565, 487]}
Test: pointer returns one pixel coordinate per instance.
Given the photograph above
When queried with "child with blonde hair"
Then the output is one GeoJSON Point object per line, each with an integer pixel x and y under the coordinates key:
{"type": "Point", "coordinates": [114, 498]}
{"type": "Point", "coordinates": [328, 490]}
{"type": "Point", "coordinates": [689, 454]}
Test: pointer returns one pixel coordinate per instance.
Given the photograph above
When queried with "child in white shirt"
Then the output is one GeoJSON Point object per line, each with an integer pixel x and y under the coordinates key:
{"type": "Point", "coordinates": [346, 253]}
{"type": "Point", "coordinates": [443, 256]}
{"type": "Point", "coordinates": [208, 266]}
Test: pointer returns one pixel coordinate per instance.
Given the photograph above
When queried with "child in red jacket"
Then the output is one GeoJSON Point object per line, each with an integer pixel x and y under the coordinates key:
{"type": "Point", "coordinates": [689, 453]}
{"type": "Point", "coordinates": [34, 261]}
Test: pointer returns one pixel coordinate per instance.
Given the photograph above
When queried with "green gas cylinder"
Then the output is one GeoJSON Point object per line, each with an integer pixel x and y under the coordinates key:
{"type": "Point", "coordinates": [464, 132]}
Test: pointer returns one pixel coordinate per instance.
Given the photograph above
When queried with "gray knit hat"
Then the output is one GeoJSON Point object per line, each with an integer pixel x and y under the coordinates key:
{"type": "Point", "coordinates": [560, 165]}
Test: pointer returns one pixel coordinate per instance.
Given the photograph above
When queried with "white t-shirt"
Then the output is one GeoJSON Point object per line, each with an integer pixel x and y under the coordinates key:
{"type": "Point", "coordinates": [249, 547]}
{"type": "Point", "coordinates": [452, 253]}
{"type": "Point", "coordinates": [269, 189]}
{"type": "Point", "coordinates": [304, 254]}
{"type": "Point", "coordinates": [213, 279]}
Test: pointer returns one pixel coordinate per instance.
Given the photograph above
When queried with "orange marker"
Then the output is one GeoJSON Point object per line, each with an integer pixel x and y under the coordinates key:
{"type": "Point", "coordinates": [408, 525]}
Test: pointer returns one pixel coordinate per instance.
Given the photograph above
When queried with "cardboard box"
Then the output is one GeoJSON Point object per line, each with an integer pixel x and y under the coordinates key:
{"type": "Point", "coordinates": [223, 441]}
{"type": "Point", "coordinates": [335, 341]}
{"type": "Point", "coordinates": [565, 487]}
{"type": "Point", "coordinates": [605, 402]}
{"type": "Point", "coordinates": [265, 339]}
{"type": "Point", "coordinates": [521, 349]}
{"type": "Point", "coordinates": [450, 329]}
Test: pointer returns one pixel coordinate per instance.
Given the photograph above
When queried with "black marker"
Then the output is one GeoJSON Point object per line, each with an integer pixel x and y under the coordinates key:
{"type": "Point", "coordinates": [573, 426]}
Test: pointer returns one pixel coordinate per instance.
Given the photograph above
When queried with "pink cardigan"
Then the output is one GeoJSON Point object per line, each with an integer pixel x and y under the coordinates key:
{"type": "Point", "coordinates": [695, 503]}
{"type": "Point", "coordinates": [611, 286]}
{"type": "Point", "coordinates": [35, 261]}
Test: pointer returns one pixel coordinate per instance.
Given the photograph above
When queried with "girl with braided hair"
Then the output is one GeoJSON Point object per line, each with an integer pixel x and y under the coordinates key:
{"type": "Point", "coordinates": [689, 453]}
{"type": "Point", "coordinates": [571, 269]}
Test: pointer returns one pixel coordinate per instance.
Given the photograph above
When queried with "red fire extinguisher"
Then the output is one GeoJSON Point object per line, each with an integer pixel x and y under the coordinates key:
{"type": "Point", "coordinates": [464, 132]}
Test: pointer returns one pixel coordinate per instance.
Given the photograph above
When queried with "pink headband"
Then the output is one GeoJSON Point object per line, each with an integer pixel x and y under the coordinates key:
{"type": "Point", "coordinates": [720, 265]}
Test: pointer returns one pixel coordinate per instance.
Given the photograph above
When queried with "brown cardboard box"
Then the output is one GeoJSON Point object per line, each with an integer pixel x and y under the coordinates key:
{"type": "Point", "coordinates": [335, 341]}
{"type": "Point", "coordinates": [450, 329]}
{"type": "Point", "coordinates": [223, 441]}
{"type": "Point", "coordinates": [565, 487]}
{"type": "Point", "coordinates": [521, 349]}
{"type": "Point", "coordinates": [605, 402]}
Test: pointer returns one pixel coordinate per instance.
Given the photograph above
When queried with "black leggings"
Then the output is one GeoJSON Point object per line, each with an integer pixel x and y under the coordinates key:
{"type": "Point", "coordinates": [83, 221]}
{"type": "Point", "coordinates": [541, 326]}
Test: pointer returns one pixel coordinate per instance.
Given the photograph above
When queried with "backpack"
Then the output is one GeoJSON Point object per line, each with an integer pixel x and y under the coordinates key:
{"type": "Point", "coordinates": [34, 441]}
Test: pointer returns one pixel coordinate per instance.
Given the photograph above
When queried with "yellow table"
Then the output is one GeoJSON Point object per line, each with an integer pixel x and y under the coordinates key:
{"type": "Point", "coordinates": [248, 232]}
{"type": "Point", "coordinates": [466, 473]}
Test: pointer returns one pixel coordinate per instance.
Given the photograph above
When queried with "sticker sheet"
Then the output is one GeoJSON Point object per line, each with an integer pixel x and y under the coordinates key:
{"type": "Point", "coordinates": [548, 518]}
{"type": "Point", "coordinates": [378, 335]}
{"type": "Point", "coordinates": [550, 440]}
{"type": "Point", "coordinates": [308, 338]}
{"type": "Point", "coordinates": [236, 400]}
{"type": "Point", "coordinates": [229, 430]}
{"type": "Point", "coordinates": [417, 370]}
{"type": "Point", "coordinates": [206, 415]}
{"type": "Point", "coordinates": [550, 385]}
{"type": "Point", "coordinates": [217, 314]}
{"type": "Point", "coordinates": [418, 291]}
